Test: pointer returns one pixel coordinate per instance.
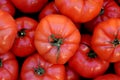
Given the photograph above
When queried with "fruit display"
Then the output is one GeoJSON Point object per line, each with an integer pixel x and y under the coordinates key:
{"type": "Point", "coordinates": [59, 39]}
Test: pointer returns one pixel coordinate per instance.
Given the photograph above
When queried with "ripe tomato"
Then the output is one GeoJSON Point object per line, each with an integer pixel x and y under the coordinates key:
{"type": "Point", "coordinates": [8, 67]}
{"type": "Point", "coordinates": [86, 62]}
{"type": "Point", "coordinates": [106, 40]}
{"type": "Point", "coordinates": [24, 41]}
{"type": "Point", "coordinates": [7, 6]}
{"type": "Point", "coordinates": [50, 8]}
{"type": "Point", "coordinates": [79, 10]}
{"type": "Point", "coordinates": [117, 68]}
{"type": "Point", "coordinates": [57, 38]}
{"type": "Point", "coordinates": [36, 68]}
{"type": "Point", "coordinates": [71, 74]}
{"type": "Point", "coordinates": [109, 10]}
{"type": "Point", "coordinates": [29, 6]}
{"type": "Point", "coordinates": [109, 76]}
{"type": "Point", "coordinates": [8, 31]}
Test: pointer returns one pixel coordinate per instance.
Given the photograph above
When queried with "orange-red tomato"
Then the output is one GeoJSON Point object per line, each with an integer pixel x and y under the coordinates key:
{"type": "Point", "coordinates": [79, 10]}
{"type": "Point", "coordinates": [57, 38]}
{"type": "Point", "coordinates": [29, 6]}
{"type": "Point", "coordinates": [8, 66]}
{"type": "Point", "coordinates": [8, 31]}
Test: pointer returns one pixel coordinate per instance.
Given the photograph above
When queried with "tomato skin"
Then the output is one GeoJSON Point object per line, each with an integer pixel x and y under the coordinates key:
{"type": "Point", "coordinates": [79, 10]}
{"type": "Point", "coordinates": [29, 6]}
{"type": "Point", "coordinates": [9, 68]}
{"type": "Point", "coordinates": [109, 10]}
{"type": "Point", "coordinates": [66, 34]}
{"type": "Point", "coordinates": [86, 62]}
{"type": "Point", "coordinates": [52, 71]}
{"type": "Point", "coordinates": [71, 74]}
{"type": "Point", "coordinates": [105, 40]}
{"type": "Point", "coordinates": [8, 31]}
{"type": "Point", "coordinates": [24, 41]}
{"type": "Point", "coordinates": [109, 76]}
{"type": "Point", "coordinates": [50, 8]}
{"type": "Point", "coordinates": [117, 68]}
{"type": "Point", "coordinates": [7, 6]}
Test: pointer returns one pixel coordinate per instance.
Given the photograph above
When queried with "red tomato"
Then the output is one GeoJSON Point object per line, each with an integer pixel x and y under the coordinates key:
{"type": "Point", "coordinates": [50, 8]}
{"type": "Point", "coordinates": [8, 67]}
{"type": "Point", "coordinates": [8, 31]}
{"type": "Point", "coordinates": [106, 40]}
{"type": "Point", "coordinates": [109, 76]}
{"type": "Point", "coordinates": [117, 68]}
{"type": "Point", "coordinates": [79, 10]}
{"type": "Point", "coordinates": [86, 62]}
{"type": "Point", "coordinates": [36, 68]}
{"type": "Point", "coordinates": [57, 38]}
{"type": "Point", "coordinates": [29, 6]}
{"type": "Point", "coordinates": [24, 41]}
{"type": "Point", "coordinates": [71, 74]}
{"type": "Point", "coordinates": [7, 6]}
{"type": "Point", "coordinates": [109, 10]}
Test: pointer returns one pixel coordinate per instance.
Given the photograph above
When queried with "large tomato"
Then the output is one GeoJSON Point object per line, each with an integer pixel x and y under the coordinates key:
{"type": "Point", "coordinates": [117, 68]}
{"type": "Point", "coordinates": [109, 10]}
{"type": "Point", "coordinates": [7, 6]}
{"type": "Point", "coordinates": [86, 62]}
{"type": "Point", "coordinates": [79, 10]}
{"type": "Point", "coordinates": [50, 8]}
{"type": "Point", "coordinates": [106, 40]}
{"type": "Point", "coordinates": [109, 76]}
{"type": "Point", "coordinates": [24, 41]}
{"type": "Point", "coordinates": [8, 67]}
{"type": "Point", "coordinates": [29, 6]}
{"type": "Point", "coordinates": [8, 31]}
{"type": "Point", "coordinates": [36, 68]}
{"type": "Point", "coordinates": [57, 38]}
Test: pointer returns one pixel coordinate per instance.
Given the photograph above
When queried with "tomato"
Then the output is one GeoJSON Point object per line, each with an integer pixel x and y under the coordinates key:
{"type": "Point", "coordinates": [24, 41]}
{"type": "Point", "coordinates": [109, 76]}
{"type": "Point", "coordinates": [110, 9]}
{"type": "Point", "coordinates": [36, 67]}
{"type": "Point", "coordinates": [8, 66]}
{"type": "Point", "coordinates": [57, 38]}
{"type": "Point", "coordinates": [8, 31]}
{"type": "Point", "coordinates": [86, 62]}
{"type": "Point", "coordinates": [106, 39]}
{"type": "Point", "coordinates": [7, 6]}
{"type": "Point", "coordinates": [117, 68]}
{"type": "Point", "coordinates": [71, 74]}
{"type": "Point", "coordinates": [79, 10]}
{"type": "Point", "coordinates": [29, 6]}
{"type": "Point", "coordinates": [50, 8]}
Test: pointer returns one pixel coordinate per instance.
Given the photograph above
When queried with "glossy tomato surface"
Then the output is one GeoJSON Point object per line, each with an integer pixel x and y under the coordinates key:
{"type": "Point", "coordinates": [86, 62]}
{"type": "Point", "coordinates": [36, 67]}
{"type": "Point", "coordinates": [110, 9]}
{"type": "Point", "coordinates": [106, 39]}
{"type": "Point", "coordinates": [50, 8]}
{"type": "Point", "coordinates": [29, 6]}
{"type": "Point", "coordinates": [7, 6]}
{"type": "Point", "coordinates": [8, 66]}
{"type": "Point", "coordinates": [8, 30]}
{"type": "Point", "coordinates": [57, 38]}
{"type": "Point", "coordinates": [79, 10]}
{"type": "Point", "coordinates": [24, 41]}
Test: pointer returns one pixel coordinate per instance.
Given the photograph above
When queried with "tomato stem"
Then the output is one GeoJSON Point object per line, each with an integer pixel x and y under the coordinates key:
{"type": "Point", "coordinates": [21, 33]}
{"type": "Point", "coordinates": [92, 54]}
{"type": "Point", "coordinates": [102, 11]}
{"type": "Point", "coordinates": [39, 70]}
{"type": "Point", "coordinates": [56, 42]}
{"type": "Point", "coordinates": [0, 62]}
{"type": "Point", "coordinates": [116, 42]}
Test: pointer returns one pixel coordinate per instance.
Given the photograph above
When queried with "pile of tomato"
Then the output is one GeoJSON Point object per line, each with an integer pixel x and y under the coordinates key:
{"type": "Point", "coordinates": [59, 39]}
